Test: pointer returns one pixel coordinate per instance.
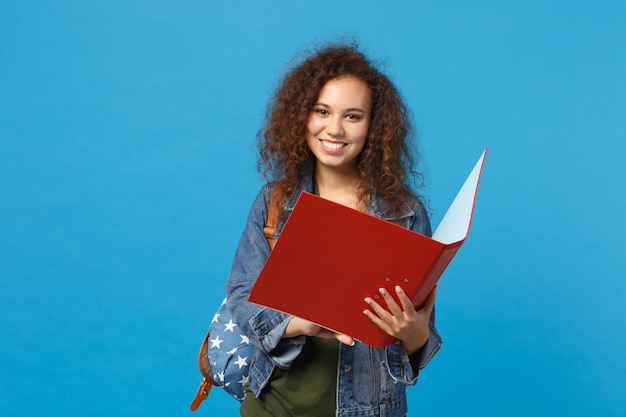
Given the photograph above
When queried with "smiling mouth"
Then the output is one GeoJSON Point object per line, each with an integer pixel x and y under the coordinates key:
{"type": "Point", "coordinates": [332, 146]}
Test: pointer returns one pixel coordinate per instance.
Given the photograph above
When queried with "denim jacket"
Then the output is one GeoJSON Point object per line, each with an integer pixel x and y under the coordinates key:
{"type": "Point", "coordinates": [370, 381]}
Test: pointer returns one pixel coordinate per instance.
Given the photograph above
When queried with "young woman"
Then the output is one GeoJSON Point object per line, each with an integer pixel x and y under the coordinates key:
{"type": "Point", "coordinates": [337, 127]}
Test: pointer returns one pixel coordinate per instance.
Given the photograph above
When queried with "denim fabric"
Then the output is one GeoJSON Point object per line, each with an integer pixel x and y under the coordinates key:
{"type": "Point", "coordinates": [370, 381]}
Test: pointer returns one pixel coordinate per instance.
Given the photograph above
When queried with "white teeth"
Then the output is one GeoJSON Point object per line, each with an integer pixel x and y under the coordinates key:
{"type": "Point", "coordinates": [332, 145]}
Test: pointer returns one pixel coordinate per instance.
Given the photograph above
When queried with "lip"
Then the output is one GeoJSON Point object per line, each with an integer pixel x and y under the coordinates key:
{"type": "Point", "coordinates": [330, 146]}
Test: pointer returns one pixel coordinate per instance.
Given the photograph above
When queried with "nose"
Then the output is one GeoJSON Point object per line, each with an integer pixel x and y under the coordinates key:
{"type": "Point", "coordinates": [335, 127]}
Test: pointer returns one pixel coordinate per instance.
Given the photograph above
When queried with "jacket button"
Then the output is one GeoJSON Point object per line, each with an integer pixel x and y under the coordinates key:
{"type": "Point", "coordinates": [347, 368]}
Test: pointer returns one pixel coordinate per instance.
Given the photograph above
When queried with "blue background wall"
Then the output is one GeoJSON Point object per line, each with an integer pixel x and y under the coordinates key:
{"type": "Point", "coordinates": [127, 170]}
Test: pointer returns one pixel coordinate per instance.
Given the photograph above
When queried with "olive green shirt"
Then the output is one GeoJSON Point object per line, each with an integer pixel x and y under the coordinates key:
{"type": "Point", "coordinates": [306, 389]}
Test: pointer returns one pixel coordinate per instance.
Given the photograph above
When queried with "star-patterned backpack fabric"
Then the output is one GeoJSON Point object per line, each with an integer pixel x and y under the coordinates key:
{"type": "Point", "coordinates": [225, 353]}
{"type": "Point", "coordinates": [229, 352]}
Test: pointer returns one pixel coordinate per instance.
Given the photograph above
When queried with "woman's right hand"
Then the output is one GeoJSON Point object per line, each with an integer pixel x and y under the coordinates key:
{"type": "Point", "coordinates": [298, 326]}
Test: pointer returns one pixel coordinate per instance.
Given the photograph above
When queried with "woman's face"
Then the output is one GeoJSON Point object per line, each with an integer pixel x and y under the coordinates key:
{"type": "Point", "coordinates": [338, 125]}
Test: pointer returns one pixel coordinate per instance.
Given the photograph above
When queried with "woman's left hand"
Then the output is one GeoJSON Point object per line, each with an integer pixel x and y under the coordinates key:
{"type": "Point", "coordinates": [402, 321]}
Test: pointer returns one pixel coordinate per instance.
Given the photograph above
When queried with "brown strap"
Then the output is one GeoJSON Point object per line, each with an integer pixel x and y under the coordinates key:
{"type": "Point", "coordinates": [201, 395]}
{"type": "Point", "coordinates": [269, 230]}
{"type": "Point", "coordinates": [205, 368]}
{"type": "Point", "coordinates": [275, 205]}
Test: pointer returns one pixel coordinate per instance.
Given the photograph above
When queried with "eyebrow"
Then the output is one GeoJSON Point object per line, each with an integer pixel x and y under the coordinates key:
{"type": "Point", "coordinates": [351, 109]}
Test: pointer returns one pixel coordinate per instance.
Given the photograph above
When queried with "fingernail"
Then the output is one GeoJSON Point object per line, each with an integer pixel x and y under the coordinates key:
{"type": "Point", "coordinates": [398, 289]}
{"type": "Point", "coordinates": [382, 291]}
{"type": "Point", "coordinates": [368, 300]}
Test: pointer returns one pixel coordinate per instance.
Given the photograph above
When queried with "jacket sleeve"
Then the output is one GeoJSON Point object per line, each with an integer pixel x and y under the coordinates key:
{"type": "Point", "coordinates": [265, 327]}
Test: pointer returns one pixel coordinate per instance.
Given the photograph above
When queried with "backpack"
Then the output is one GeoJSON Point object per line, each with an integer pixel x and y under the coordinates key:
{"type": "Point", "coordinates": [223, 359]}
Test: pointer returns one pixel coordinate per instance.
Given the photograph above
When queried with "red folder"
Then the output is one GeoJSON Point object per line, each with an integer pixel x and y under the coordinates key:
{"type": "Point", "coordinates": [330, 257]}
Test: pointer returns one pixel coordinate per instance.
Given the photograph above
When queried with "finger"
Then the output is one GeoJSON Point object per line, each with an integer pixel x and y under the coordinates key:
{"type": "Point", "coordinates": [329, 334]}
{"type": "Point", "coordinates": [377, 321]}
{"type": "Point", "coordinates": [391, 302]}
{"type": "Point", "coordinates": [407, 303]}
{"type": "Point", "coordinates": [378, 309]}
{"type": "Point", "coordinates": [326, 334]}
{"type": "Point", "coordinates": [345, 339]}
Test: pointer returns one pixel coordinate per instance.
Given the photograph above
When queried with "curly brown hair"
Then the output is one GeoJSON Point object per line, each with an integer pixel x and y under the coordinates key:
{"type": "Point", "coordinates": [385, 165]}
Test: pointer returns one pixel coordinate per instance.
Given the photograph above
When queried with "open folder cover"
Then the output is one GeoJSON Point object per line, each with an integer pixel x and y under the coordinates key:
{"type": "Point", "coordinates": [329, 257]}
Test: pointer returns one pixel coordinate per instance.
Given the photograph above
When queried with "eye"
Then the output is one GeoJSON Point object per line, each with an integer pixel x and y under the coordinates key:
{"type": "Point", "coordinates": [354, 117]}
{"type": "Point", "coordinates": [321, 112]}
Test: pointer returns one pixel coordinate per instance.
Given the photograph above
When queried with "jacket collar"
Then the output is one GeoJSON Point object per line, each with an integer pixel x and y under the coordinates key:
{"type": "Point", "coordinates": [377, 206]}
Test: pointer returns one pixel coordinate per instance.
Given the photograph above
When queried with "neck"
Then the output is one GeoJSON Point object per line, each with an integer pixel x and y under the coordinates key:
{"type": "Point", "coordinates": [337, 186]}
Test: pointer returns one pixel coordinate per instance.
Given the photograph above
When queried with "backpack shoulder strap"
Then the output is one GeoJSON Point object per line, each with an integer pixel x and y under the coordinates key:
{"type": "Point", "coordinates": [273, 212]}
